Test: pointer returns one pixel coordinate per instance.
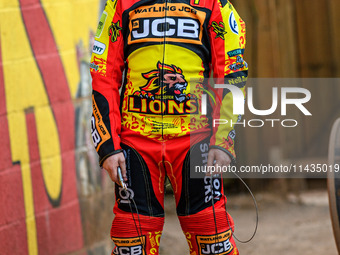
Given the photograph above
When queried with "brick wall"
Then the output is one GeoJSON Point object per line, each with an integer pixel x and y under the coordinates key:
{"type": "Point", "coordinates": [53, 197]}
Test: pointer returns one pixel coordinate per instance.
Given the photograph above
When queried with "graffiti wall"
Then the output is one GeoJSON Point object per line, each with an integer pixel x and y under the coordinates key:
{"type": "Point", "coordinates": [47, 165]}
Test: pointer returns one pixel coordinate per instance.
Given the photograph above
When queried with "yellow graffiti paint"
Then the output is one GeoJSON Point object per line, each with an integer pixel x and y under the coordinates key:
{"type": "Point", "coordinates": [71, 23]}
{"type": "Point", "coordinates": [19, 149]}
{"type": "Point", "coordinates": [49, 150]}
{"type": "Point", "coordinates": [29, 209]}
{"type": "Point", "coordinates": [18, 65]}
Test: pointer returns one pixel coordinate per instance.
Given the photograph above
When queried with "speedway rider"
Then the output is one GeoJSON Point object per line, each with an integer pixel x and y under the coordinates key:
{"type": "Point", "coordinates": [148, 65]}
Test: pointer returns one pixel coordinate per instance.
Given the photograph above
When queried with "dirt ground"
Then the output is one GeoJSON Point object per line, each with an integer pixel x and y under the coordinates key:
{"type": "Point", "coordinates": [299, 225]}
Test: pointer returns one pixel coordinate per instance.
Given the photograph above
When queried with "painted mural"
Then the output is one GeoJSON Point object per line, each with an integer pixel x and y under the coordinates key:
{"type": "Point", "coordinates": [46, 158]}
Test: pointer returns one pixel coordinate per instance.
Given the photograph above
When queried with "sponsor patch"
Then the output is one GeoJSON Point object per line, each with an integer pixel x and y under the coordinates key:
{"type": "Point", "coordinates": [212, 191]}
{"type": "Point", "coordinates": [125, 196]}
{"type": "Point", "coordinates": [99, 65]}
{"type": "Point", "coordinates": [236, 52]}
{"type": "Point", "coordinates": [98, 48]}
{"type": "Point", "coordinates": [219, 29]}
{"type": "Point", "coordinates": [231, 138]}
{"type": "Point", "coordinates": [182, 24]}
{"type": "Point", "coordinates": [238, 80]}
{"type": "Point", "coordinates": [215, 244]}
{"type": "Point", "coordinates": [94, 66]}
{"type": "Point", "coordinates": [164, 106]}
{"type": "Point", "coordinates": [240, 64]}
{"type": "Point", "coordinates": [153, 28]}
{"type": "Point", "coordinates": [114, 31]}
{"type": "Point", "coordinates": [164, 97]}
{"type": "Point", "coordinates": [101, 24]}
{"type": "Point", "coordinates": [233, 24]}
{"type": "Point", "coordinates": [129, 246]}
{"type": "Point", "coordinates": [99, 132]}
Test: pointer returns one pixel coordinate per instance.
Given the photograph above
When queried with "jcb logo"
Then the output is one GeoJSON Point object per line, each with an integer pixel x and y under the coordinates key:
{"type": "Point", "coordinates": [180, 29]}
{"type": "Point", "coordinates": [132, 250]}
{"type": "Point", "coordinates": [129, 246]}
{"type": "Point", "coordinates": [215, 244]}
{"type": "Point", "coordinates": [216, 248]}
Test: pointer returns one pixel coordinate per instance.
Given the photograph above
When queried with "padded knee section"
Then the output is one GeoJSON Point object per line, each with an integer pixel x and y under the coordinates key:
{"type": "Point", "coordinates": [136, 236]}
{"type": "Point", "coordinates": [205, 236]}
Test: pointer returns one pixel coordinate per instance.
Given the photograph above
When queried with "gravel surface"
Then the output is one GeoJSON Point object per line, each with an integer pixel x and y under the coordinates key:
{"type": "Point", "coordinates": [299, 225]}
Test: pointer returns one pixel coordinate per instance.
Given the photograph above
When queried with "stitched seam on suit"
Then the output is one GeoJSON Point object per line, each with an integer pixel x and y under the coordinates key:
{"type": "Point", "coordinates": [148, 195]}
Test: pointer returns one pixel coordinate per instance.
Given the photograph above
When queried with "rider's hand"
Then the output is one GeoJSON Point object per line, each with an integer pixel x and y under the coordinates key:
{"type": "Point", "coordinates": [111, 164]}
{"type": "Point", "coordinates": [217, 157]}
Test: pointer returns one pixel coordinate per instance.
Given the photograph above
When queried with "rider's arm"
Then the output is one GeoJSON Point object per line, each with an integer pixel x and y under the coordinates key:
{"type": "Point", "coordinates": [107, 65]}
{"type": "Point", "coordinates": [227, 37]}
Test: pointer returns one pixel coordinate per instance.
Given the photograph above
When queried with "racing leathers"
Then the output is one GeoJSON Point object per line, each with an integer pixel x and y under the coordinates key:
{"type": "Point", "coordinates": [149, 62]}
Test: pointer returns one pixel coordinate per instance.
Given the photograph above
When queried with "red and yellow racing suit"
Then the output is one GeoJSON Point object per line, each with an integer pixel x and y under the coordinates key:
{"type": "Point", "coordinates": [148, 65]}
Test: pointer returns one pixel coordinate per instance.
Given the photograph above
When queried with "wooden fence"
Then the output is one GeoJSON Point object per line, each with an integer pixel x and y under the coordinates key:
{"type": "Point", "coordinates": [292, 39]}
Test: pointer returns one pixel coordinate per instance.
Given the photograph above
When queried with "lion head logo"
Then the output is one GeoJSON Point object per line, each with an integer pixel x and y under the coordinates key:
{"type": "Point", "coordinates": [165, 80]}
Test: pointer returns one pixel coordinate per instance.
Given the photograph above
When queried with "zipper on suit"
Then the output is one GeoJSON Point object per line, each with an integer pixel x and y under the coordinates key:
{"type": "Point", "coordinates": [162, 99]}
{"type": "Point", "coordinates": [164, 49]}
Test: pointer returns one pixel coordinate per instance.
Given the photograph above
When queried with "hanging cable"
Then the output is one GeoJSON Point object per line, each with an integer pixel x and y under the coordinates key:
{"type": "Point", "coordinates": [124, 187]}
{"type": "Point", "coordinates": [228, 221]}
{"type": "Point", "coordinates": [256, 208]}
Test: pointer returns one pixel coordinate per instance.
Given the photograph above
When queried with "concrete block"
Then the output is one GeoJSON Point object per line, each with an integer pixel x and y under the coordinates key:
{"type": "Point", "coordinates": [5, 155]}
{"type": "Point", "coordinates": [66, 229]}
{"type": "Point", "coordinates": [13, 239]}
{"type": "Point", "coordinates": [44, 233]}
{"type": "Point", "coordinates": [12, 207]}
